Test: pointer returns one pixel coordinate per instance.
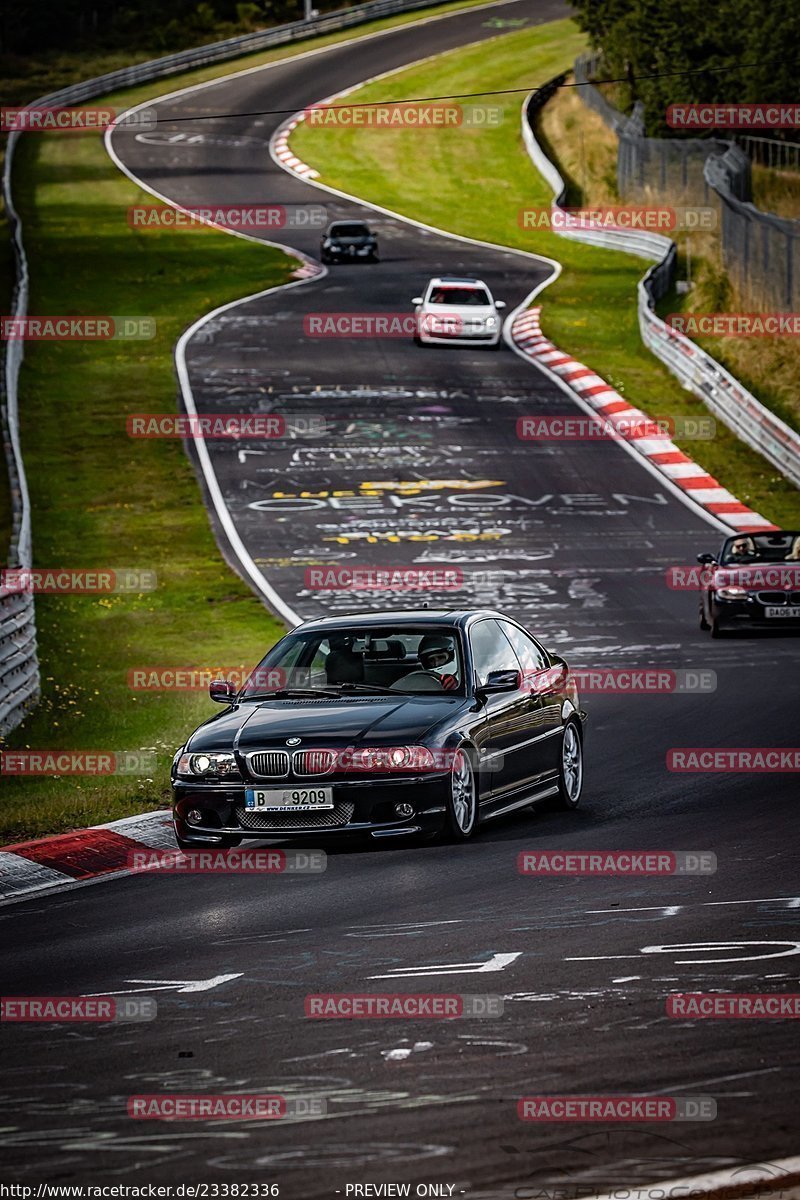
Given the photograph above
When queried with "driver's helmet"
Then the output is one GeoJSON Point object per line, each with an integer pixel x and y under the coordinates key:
{"type": "Point", "coordinates": [435, 650]}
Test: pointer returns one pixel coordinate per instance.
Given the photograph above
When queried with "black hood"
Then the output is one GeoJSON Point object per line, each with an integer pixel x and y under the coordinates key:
{"type": "Point", "coordinates": [337, 722]}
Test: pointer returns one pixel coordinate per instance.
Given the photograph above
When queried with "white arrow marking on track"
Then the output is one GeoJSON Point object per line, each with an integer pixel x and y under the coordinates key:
{"type": "Point", "coordinates": [167, 985]}
{"type": "Point", "coordinates": [693, 947]}
{"type": "Point", "coordinates": [497, 962]}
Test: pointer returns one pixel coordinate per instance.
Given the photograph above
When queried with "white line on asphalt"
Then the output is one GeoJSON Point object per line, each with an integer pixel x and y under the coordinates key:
{"type": "Point", "coordinates": [498, 962]}
{"type": "Point", "coordinates": [169, 985]}
{"type": "Point", "coordinates": [792, 901]}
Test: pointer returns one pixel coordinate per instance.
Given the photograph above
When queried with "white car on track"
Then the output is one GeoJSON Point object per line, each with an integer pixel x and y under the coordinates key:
{"type": "Point", "coordinates": [458, 310]}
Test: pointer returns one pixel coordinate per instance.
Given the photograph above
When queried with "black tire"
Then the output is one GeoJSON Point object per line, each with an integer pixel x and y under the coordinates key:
{"type": "Point", "coordinates": [462, 811]}
{"type": "Point", "coordinates": [570, 769]}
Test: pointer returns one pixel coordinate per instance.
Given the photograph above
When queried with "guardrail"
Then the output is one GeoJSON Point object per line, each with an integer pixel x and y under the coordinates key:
{"type": "Point", "coordinates": [726, 398]}
{"type": "Point", "coordinates": [19, 669]}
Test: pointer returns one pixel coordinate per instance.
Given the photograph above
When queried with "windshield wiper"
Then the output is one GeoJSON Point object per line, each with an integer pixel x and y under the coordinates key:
{"type": "Point", "coordinates": [364, 687]}
{"type": "Point", "coordinates": [284, 693]}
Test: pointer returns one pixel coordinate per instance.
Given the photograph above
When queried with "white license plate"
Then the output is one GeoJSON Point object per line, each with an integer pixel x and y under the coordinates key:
{"type": "Point", "coordinates": [789, 610]}
{"type": "Point", "coordinates": [296, 799]}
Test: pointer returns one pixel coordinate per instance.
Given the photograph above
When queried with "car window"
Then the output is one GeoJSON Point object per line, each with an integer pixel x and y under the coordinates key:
{"type": "Point", "coordinates": [348, 231]}
{"type": "Point", "coordinates": [531, 656]}
{"type": "Point", "coordinates": [459, 296]}
{"type": "Point", "coordinates": [491, 651]}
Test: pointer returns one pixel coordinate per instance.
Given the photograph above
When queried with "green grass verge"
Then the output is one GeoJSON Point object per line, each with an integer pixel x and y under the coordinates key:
{"type": "Point", "coordinates": [476, 182]}
{"type": "Point", "coordinates": [100, 499]}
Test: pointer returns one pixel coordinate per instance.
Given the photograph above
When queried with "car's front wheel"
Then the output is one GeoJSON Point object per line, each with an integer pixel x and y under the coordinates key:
{"type": "Point", "coordinates": [570, 771]}
{"type": "Point", "coordinates": [462, 800]}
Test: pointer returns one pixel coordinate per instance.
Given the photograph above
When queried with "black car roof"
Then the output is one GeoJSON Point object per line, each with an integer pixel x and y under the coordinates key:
{"type": "Point", "coordinates": [401, 616]}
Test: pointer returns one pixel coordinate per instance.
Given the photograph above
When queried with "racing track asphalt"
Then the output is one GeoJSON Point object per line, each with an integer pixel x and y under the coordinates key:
{"type": "Point", "coordinates": [585, 534]}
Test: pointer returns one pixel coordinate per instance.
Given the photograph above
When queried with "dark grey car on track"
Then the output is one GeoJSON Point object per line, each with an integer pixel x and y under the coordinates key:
{"type": "Point", "coordinates": [388, 724]}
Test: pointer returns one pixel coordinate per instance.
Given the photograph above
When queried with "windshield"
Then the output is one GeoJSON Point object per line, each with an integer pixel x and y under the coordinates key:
{"type": "Point", "coordinates": [762, 548]}
{"type": "Point", "coordinates": [476, 297]}
{"type": "Point", "coordinates": [388, 660]}
{"type": "Point", "coordinates": [350, 231]}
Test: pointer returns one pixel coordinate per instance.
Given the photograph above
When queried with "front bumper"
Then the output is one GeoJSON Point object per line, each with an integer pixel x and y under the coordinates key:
{"type": "Point", "coordinates": [343, 253]}
{"type": "Point", "coordinates": [360, 807]}
{"type": "Point", "coordinates": [490, 338]}
{"type": "Point", "coordinates": [751, 613]}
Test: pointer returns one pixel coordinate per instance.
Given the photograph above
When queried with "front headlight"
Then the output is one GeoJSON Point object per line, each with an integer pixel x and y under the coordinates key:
{"type": "Point", "coordinates": [206, 766]}
{"type": "Point", "coordinates": [491, 322]}
{"type": "Point", "coordinates": [732, 593]}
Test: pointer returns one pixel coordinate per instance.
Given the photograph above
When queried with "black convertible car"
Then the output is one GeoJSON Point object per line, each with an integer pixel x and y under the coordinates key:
{"type": "Point", "coordinates": [388, 724]}
{"type": "Point", "coordinates": [753, 582]}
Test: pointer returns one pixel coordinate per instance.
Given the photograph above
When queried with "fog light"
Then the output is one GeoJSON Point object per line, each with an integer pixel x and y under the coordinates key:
{"type": "Point", "coordinates": [194, 816]}
{"type": "Point", "coordinates": [404, 810]}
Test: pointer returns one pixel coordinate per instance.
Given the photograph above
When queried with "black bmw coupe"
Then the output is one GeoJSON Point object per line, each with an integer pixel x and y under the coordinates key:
{"type": "Point", "coordinates": [386, 724]}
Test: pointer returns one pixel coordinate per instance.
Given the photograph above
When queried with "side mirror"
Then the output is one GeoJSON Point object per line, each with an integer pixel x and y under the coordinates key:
{"type": "Point", "coordinates": [706, 559]}
{"type": "Point", "coordinates": [502, 681]}
{"type": "Point", "coordinates": [417, 300]}
{"type": "Point", "coordinates": [500, 304]}
{"type": "Point", "coordinates": [222, 690]}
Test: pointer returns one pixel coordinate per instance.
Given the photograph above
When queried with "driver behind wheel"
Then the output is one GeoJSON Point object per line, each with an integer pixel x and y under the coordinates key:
{"type": "Point", "coordinates": [434, 652]}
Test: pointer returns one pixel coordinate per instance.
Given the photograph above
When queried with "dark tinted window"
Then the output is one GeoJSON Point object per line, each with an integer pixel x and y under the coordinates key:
{"type": "Point", "coordinates": [349, 231]}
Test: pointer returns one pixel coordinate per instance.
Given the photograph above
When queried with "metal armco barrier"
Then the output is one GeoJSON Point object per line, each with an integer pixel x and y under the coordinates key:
{"type": "Point", "coordinates": [19, 668]}
{"type": "Point", "coordinates": [725, 397]}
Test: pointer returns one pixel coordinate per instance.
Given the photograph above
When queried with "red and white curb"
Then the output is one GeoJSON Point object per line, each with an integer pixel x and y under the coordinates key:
{"type": "Point", "coordinates": [286, 156]}
{"type": "Point", "coordinates": [85, 854]}
{"type": "Point", "coordinates": [682, 471]}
